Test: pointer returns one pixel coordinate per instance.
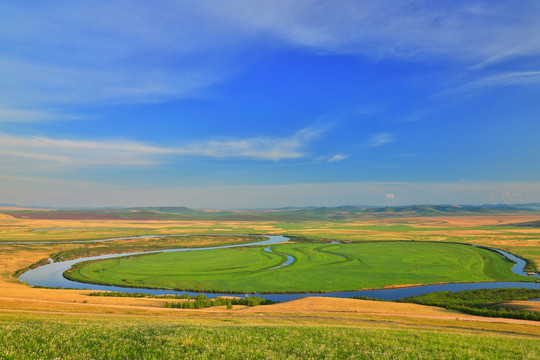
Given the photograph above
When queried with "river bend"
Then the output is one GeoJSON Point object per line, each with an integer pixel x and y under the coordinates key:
{"type": "Point", "coordinates": [51, 275]}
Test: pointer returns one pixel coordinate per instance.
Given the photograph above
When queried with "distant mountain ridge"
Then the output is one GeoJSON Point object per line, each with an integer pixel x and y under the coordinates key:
{"type": "Point", "coordinates": [345, 212]}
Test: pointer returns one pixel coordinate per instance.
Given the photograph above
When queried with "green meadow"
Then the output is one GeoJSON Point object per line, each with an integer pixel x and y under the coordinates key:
{"type": "Point", "coordinates": [483, 302]}
{"type": "Point", "coordinates": [316, 268]}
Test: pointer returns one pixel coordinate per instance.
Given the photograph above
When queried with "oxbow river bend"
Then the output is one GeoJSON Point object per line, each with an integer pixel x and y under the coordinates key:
{"type": "Point", "coordinates": [51, 275]}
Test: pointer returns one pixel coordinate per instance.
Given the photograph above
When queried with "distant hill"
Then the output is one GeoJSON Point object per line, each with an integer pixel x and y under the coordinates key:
{"type": "Point", "coordinates": [346, 212]}
{"type": "Point", "coordinates": [530, 206]}
{"type": "Point", "coordinates": [433, 210]}
{"type": "Point", "coordinates": [166, 209]}
{"type": "Point", "coordinates": [11, 207]}
{"type": "Point", "coordinates": [526, 224]}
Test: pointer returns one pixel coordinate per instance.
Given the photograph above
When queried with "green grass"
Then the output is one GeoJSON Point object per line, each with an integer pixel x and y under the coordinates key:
{"type": "Point", "coordinates": [154, 243]}
{"type": "Point", "coordinates": [38, 338]}
{"type": "Point", "coordinates": [317, 267]}
{"type": "Point", "coordinates": [478, 297]}
{"type": "Point", "coordinates": [483, 302]}
{"type": "Point", "coordinates": [528, 252]}
{"type": "Point", "coordinates": [140, 245]}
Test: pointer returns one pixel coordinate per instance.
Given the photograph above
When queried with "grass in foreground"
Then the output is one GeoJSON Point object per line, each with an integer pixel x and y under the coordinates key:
{"type": "Point", "coordinates": [317, 267]}
{"type": "Point", "coordinates": [39, 338]}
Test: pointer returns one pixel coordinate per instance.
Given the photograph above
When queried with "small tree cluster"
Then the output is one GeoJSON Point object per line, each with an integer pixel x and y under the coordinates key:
{"type": "Point", "coordinates": [201, 301]}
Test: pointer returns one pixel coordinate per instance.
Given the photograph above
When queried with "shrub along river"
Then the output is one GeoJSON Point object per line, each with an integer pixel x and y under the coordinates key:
{"type": "Point", "coordinates": [51, 275]}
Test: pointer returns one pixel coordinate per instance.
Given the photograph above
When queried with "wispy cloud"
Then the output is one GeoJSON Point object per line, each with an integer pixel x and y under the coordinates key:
{"type": "Point", "coordinates": [464, 30]}
{"type": "Point", "coordinates": [471, 89]}
{"type": "Point", "coordinates": [38, 84]}
{"type": "Point", "coordinates": [380, 139]}
{"type": "Point", "coordinates": [32, 115]}
{"type": "Point", "coordinates": [56, 52]}
{"type": "Point", "coordinates": [59, 53]}
{"type": "Point", "coordinates": [70, 153]}
{"type": "Point", "coordinates": [256, 148]}
{"type": "Point", "coordinates": [261, 148]}
{"type": "Point", "coordinates": [337, 157]}
{"type": "Point", "coordinates": [45, 152]}
{"type": "Point", "coordinates": [502, 79]}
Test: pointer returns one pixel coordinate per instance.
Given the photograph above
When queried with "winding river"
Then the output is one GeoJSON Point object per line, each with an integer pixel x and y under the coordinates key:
{"type": "Point", "coordinates": [51, 275]}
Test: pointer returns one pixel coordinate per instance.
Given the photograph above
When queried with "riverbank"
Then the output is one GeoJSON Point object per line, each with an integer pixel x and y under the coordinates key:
{"type": "Point", "coordinates": [58, 269]}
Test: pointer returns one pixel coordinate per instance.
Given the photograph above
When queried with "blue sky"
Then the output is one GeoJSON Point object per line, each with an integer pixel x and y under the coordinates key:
{"type": "Point", "coordinates": [252, 104]}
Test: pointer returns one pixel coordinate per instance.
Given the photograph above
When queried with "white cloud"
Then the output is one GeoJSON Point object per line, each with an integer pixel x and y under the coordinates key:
{"type": "Point", "coordinates": [44, 152]}
{"type": "Point", "coordinates": [31, 82]}
{"type": "Point", "coordinates": [27, 115]}
{"type": "Point", "coordinates": [337, 157]}
{"type": "Point", "coordinates": [502, 79]}
{"type": "Point", "coordinates": [264, 148]}
{"type": "Point", "coordinates": [380, 139]}
{"type": "Point", "coordinates": [511, 78]}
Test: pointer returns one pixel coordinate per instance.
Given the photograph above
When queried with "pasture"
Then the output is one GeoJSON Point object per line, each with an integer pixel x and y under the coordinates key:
{"type": "Point", "coordinates": [317, 267]}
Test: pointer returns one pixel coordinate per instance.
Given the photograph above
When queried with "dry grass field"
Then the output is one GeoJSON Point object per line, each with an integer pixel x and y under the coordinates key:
{"type": "Point", "coordinates": [487, 230]}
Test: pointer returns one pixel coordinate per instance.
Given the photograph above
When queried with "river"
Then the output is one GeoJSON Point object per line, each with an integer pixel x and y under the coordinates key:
{"type": "Point", "coordinates": [51, 275]}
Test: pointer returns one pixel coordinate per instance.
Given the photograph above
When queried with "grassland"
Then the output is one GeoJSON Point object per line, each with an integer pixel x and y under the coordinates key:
{"type": "Point", "coordinates": [317, 267]}
{"type": "Point", "coordinates": [494, 230]}
{"type": "Point", "coordinates": [48, 323]}
{"type": "Point", "coordinates": [484, 302]}
{"type": "Point", "coordinates": [153, 243]}
{"type": "Point", "coordinates": [39, 338]}
{"type": "Point", "coordinates": [74, 250]}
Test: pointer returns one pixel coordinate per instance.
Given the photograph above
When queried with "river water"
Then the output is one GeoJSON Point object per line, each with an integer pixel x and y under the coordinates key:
{"type": "Point", "coordinates": [51, 275]}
